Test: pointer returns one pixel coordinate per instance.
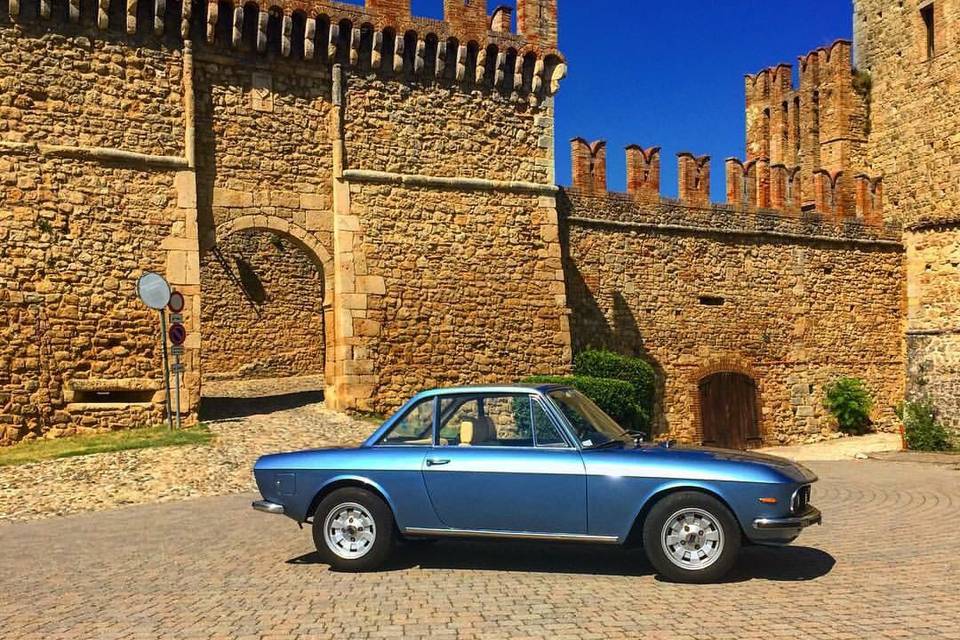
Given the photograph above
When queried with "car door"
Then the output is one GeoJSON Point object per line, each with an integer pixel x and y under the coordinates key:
{"type": "Point", "coordinates": [502, 464]}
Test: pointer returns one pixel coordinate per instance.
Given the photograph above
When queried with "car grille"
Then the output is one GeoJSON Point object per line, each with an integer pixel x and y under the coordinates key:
{"type": "Point", "coordinates": [800, 499]}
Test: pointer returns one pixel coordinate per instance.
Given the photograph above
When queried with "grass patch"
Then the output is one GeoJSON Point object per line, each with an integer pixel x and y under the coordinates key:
{"type": "Point", "coordinates": [160, 436]}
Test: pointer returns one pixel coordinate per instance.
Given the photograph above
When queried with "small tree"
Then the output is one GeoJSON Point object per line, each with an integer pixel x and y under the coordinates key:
{"type": "Point", "coordinates": [850, 403]}
{"type": "Point", "coordinates": [921, 428]}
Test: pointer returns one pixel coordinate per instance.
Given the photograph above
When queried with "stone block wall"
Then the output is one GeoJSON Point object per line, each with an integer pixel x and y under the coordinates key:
{"type": "Point", "coordinates": [133, 141]}
{"type": "Point", "coordinates": [92, 194]}
{"type": "Point", "coordinates": [447, 231]}
{"type": "Point", "coordinates": [914, 119]}
{"type": "Point", "coordinates": [699, 291]}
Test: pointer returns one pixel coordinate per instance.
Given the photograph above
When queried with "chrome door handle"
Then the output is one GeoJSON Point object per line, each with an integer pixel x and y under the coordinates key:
{"type": "Point", "coordinates": [434, 462]}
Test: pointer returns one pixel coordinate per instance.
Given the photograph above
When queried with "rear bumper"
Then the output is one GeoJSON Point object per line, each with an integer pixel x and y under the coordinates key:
{"type": "Point", "coordinates": [269, 507]}
{"type": "Point", "coordinates": [808, 518]}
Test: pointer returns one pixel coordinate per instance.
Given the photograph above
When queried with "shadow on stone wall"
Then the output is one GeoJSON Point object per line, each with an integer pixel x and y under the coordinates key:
{"type": "Point", "coordinates": [592, 328]}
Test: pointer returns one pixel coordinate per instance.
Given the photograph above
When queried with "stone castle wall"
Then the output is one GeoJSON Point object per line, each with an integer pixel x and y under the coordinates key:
{"type": "Point", "coordinates": [346, 135]}
{"type": "Point", "coordinates": [92, 137]}
{"type": "Point", "coordinates": [792, 304]}
{"type": "Point", "coordinates": [387, 183]}
{"type": "Point", "coordinates": [915, 116]}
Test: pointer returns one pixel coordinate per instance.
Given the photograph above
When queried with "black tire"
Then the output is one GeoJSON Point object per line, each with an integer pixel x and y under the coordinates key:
{"type": "Point", "coordinates": [721, 556]}
{"type": "Point", "coordinates": [374, 553]}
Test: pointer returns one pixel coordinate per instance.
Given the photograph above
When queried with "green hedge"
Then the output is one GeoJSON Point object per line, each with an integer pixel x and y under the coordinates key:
{"type": "Point", "coordinates": [616, 397]}
{"type": "Point", "coordinates": [636, 371]}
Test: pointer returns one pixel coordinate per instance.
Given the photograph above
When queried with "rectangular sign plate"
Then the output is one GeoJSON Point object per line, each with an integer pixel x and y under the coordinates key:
{"type": "Point", "coordinates": [176, 318]}
{"type": "Point", "coordinates": [177, 350]}
{"type": "Point", "coordinates": [178, 368]}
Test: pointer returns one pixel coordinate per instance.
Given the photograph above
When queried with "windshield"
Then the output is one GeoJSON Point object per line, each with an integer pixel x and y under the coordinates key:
{"type": "Point", "coordinates": [591, 426]}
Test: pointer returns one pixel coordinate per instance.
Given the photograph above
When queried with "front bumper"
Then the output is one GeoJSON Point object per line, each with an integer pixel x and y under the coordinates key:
{"type": "Point", "coordinates": [809, 517]}
{"type": "Point", "coordinates": [269, 507]}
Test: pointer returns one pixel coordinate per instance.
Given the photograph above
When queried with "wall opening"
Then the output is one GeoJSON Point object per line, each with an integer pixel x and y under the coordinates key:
{"type": "Point", "coordinates": [223, 30]}
{"type": "Point", "coordinates": [343, 42]}
{"type": "Point", "coordinates": [112, 396]}
{"type": "Point", "coordinates": [930, 32]}
{"type": "Point", "coordinates": [298, 23]}
{"type": "Point", "coordinates": [712, 301]}
{"type": "Point", "coordinates": [262, 308]}
{"type": "Point", "coordinates": [388, 50]}
{"type": "Point", "coordinates": [274, 30]}
{"type": "Point", "coordinates": [796, 124]}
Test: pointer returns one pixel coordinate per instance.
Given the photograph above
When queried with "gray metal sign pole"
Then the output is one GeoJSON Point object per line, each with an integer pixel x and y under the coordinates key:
{"type": "Point", "coordinates": [166, 370]}
{"type": "Point", "coordinates": [177, 368]}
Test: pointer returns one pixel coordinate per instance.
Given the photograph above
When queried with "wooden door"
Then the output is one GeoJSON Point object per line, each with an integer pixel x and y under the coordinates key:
{"type": "Point", "coordinates": [728, 411]}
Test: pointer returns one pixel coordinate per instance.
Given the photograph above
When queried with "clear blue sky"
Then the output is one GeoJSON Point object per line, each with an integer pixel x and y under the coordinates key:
{"type": "Point", "coordinates": [671, 73]}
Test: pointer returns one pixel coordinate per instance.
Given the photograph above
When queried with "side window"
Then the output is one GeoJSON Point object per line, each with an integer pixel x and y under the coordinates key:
{"type": "Point", "coordinates": [544, 430]}
{"type": "Point", "coordinates": [414, 429]}
{"type": "Point", "coordinates": [513, 420]}
{"type": "Point", "coordinates": [510, 416]}
{"type": "Point", "coordinates": [454, 414]}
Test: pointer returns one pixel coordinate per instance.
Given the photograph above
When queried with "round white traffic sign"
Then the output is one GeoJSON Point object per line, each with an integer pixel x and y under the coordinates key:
{"type": "Point", "coordinates": [154, 291]}
{"type": "Point", "coordinates": [177, 302]}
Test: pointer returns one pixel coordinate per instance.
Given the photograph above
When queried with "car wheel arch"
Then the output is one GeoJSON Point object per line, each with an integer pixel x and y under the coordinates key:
{"type": "Point", "coordinates": [342, 482]}
{"type": "Point", "coordinates": [635, 533]}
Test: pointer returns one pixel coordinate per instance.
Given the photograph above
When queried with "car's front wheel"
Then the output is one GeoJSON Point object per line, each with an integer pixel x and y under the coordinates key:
{"type": "Point", "coordinates": [691, 537]}
{"type": "Point", "coordinates": [353, 530]}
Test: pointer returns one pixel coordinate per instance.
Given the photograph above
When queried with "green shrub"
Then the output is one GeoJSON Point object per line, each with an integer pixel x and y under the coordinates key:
{"type": "Point", "coordinates": [850, 403]}
{"type": "Point", "coordinates": [616, 397]}
{"type": "Point", "coordinates": [636, 371]}
{"type": "Point", "coordinates": [921, 428]}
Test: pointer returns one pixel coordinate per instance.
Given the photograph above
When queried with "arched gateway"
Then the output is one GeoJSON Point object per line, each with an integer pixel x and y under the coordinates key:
{"type": "Point", "coordinates": [266, 301]}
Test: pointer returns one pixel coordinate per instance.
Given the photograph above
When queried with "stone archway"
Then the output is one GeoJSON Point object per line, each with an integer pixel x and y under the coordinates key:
{"type": "Point", "coordinates": [266, 302]}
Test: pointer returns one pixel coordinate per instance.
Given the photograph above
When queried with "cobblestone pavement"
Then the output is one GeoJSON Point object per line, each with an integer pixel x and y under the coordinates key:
{"type": "Point", "coordinates": [883, 566]}
{"type": "Point", "coordinates": [249, 420]}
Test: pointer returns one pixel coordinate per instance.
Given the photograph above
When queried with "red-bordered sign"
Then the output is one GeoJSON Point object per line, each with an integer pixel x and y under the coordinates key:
{"type": "Point", "coordinates": [177, 302]}
{"type": "Point", "coordinates": [178, 334]}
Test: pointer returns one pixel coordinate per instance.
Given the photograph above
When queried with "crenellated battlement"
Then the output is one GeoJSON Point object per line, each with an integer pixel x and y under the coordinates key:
{"type": "Point", "coordinates": [751, 185]}
{"type": "Point", "coordinates": [589, 162]}
{"type": "Point", "coordinates": [468, 47]}
{"type": "Point", "coordinates": [819, 123]}
{"type": "Point", "coordinates": [643, 172]}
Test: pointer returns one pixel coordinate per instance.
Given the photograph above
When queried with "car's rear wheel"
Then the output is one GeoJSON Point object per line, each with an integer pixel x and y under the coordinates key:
{"type": "Point", "coordinates": [353, 530]}
{"type": "Point", "coordinates": [691, 537]}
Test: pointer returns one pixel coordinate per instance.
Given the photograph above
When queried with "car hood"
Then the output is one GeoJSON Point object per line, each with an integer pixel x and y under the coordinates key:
{"type": "Point", "coordinates": [697, 456]}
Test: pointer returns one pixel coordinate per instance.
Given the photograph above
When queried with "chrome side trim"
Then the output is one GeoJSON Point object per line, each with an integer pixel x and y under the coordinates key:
{"type": "Point", "coordinates": [513, 535]}
{"type": "Point", "coordinates": [269, 507]}
{"type": "Point", "coordinates": [809, 517]}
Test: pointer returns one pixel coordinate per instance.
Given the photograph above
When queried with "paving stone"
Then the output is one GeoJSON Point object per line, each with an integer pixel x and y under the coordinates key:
{"type": "Point", "coordinates": [211, 567]}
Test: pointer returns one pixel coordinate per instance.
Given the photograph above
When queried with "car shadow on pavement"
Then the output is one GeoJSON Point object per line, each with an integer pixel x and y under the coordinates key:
{"type": "Point", "coordinates": [219, 409]}
{"type": "Point", "coordinates": [788, 564]}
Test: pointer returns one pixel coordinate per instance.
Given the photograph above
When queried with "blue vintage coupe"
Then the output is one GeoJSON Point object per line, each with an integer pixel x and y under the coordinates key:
{"type": "Point", "coordinates": [535, 463]}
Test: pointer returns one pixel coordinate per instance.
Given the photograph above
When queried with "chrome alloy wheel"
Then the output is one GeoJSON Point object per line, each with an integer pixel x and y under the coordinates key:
{"type": "Point", "coordinates": [349, 531]}
{"type": "Point", "coordinates": [692, 539]}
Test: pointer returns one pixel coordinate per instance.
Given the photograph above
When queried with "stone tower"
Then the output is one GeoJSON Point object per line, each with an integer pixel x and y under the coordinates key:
{"type": "Point", "coordinates": [908, 51]}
